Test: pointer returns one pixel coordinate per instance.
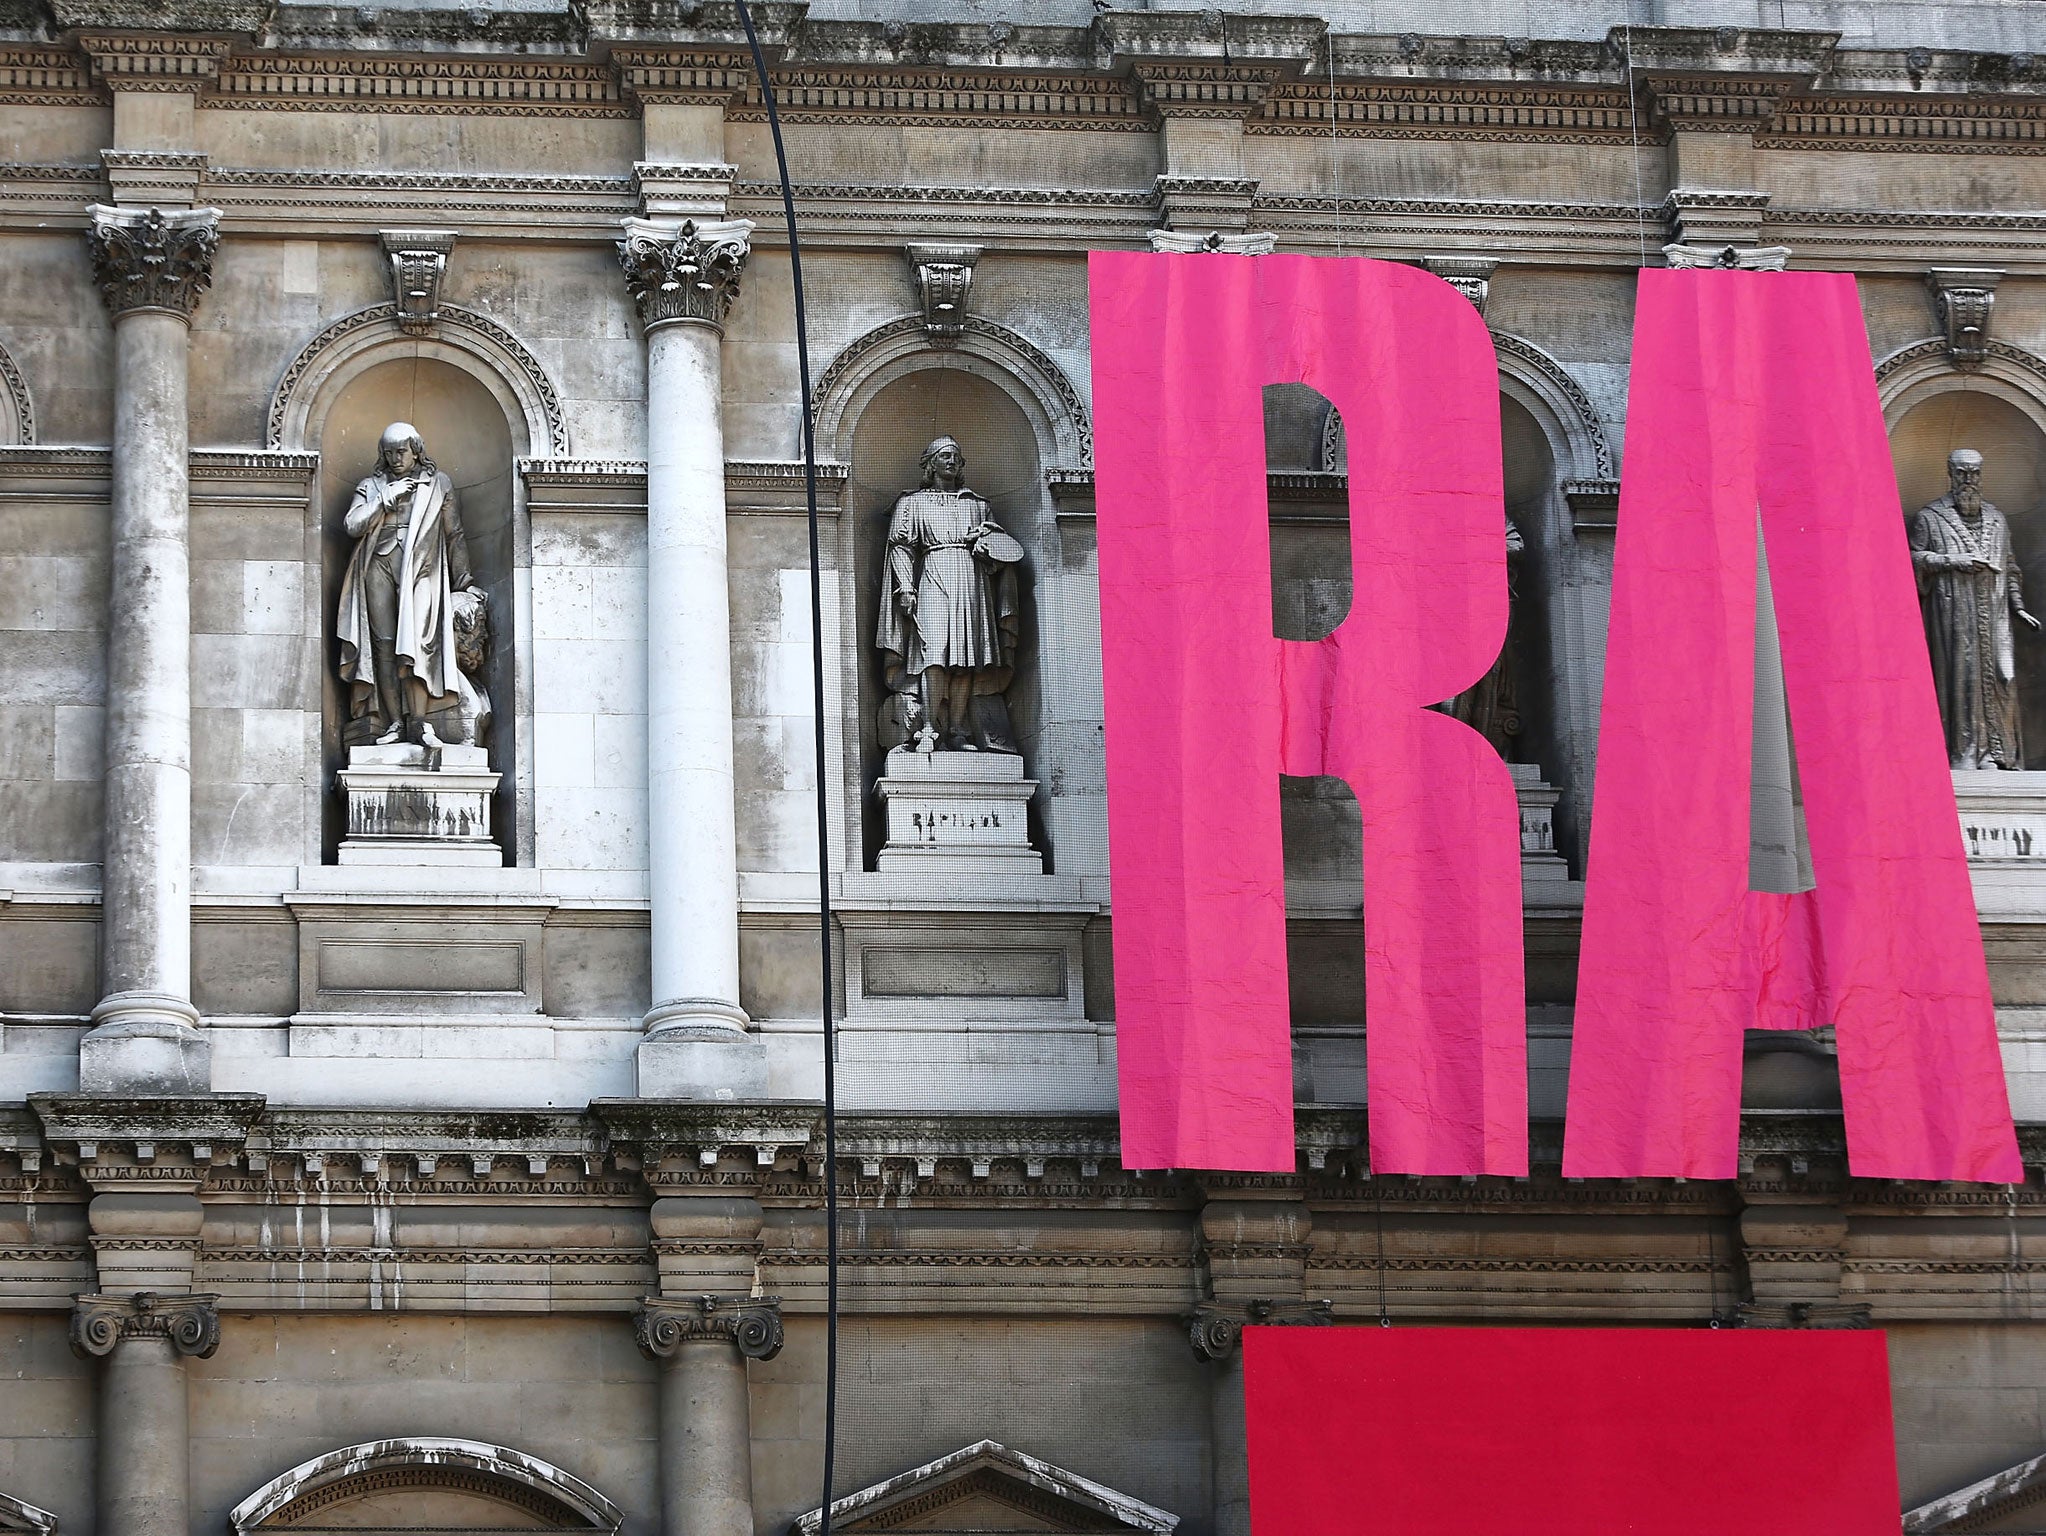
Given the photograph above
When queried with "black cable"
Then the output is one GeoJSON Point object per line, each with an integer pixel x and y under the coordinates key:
{"type": "Point", "coordinates": [788, 206]}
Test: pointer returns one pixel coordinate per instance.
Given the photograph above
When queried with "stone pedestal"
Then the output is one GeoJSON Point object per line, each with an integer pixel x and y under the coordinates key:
{"type": "Point", "coordinates": [2003, 829]}
{"type": "Point", "coordinates": [957, 813]}
{"type": "Point", "coordinates": [419, 806]}
{"type": "Point", "coordinates": [1540, 864]}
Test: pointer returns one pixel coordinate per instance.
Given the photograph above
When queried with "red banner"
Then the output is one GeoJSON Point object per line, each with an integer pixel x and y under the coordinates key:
{"type": "Point", "coordinates": [1568, 1432]}
{"type": "Point", "coordinates": [1753, 392]}
{"type": "Point", "coordinates": [1205, 709]}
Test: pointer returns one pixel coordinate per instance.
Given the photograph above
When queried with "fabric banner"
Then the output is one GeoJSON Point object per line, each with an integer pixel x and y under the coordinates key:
{"type": "Point", "coordinates": [1568, 1432]}
{"type": "Point", "coordinates": [1205, 708]}
{"type": "Point", "coordinates": [1753, 391]}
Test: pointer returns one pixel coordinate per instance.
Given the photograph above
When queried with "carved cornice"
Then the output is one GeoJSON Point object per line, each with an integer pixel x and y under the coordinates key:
{"type": "Point", "coordinates": [662, 1326]}
{"type": "Point", "coordinates": [687, 272]}
{"type": "Point", "coordinates": [908, 98]}
{"type": "Point", "coordinates": [1971, 124]}
{"type": "Point", "coordinates": [82, 1128]}
{"type": "Point", "coordinates": [1717, 104]}
{"type": "Point", "coordinates": [191, 1323]}
{"type": "Point", "coordinates": [1208, 88]}
{"type": "Point", "coordinates": [1448, 109]}
{"type": "Point", "coordinates": [33, 75]}
{"type": "Point", "coordinates": [682, 76]}
{"type": "Point", "coordinates": [459, 85]}
{"type": "Point", "coordinates": [149, 259]}
{"type": "Point", "coordinates": [154, 61]}
{"type": "Point", "coordinates": [1216, 1327]}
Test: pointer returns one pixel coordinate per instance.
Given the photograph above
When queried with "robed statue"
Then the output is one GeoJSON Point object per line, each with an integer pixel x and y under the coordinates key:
{"type": "Point", "coordinates": [1969, 584]}
{"type": "Point", "coordinates": [949, 620]}
{"type": "Point", "coordinates": [1491, 705]}
{"type": "Point", "coordinates": [412, 621]}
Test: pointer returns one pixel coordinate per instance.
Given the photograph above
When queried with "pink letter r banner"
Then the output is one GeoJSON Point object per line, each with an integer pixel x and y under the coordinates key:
{"type": "Point", "coordinates": [1754, 391]}
{"type": "Point", "coordinates": [1205, 708]}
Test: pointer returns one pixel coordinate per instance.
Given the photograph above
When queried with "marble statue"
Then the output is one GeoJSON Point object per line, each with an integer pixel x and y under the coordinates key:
{"type": "Point", "coordinates": [950, 619]}
{"type": "Point", "coordinates": [413, 624]}
{"type": "Point", "coordinates": [1969, 583]}
{"type": "Point", "coordinates": [1491, 705]}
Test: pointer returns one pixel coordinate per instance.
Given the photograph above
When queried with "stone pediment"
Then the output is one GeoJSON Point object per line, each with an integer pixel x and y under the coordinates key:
{"type": "Point", "coordinates": [986, 1487]}
{"type": "Point", "coordinates": [2012, 1501]}
{"type": "Point", "coordinates": [15, 1516]}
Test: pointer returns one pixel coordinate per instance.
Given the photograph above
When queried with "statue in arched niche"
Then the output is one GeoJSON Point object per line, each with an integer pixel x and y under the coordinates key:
{"type": "Point", "coordinates": [950, 617]}
{"type": "Point", "coordinates": [1969, 583]}
{"type": "Point", "coordinates": [1491, 705]}
{"type": "Point", "coordinates": [412, 621]}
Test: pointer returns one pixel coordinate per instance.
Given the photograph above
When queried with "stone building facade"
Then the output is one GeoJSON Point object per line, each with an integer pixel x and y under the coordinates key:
{"type": "Point", "coordinates": [431, 1139]}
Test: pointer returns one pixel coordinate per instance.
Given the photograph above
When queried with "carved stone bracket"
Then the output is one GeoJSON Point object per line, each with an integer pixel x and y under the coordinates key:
{"type": "Point", "coordinates": [1962, 298]}
{"type": "Point", "coordinates": [943, 275]}
{"type": "Point", "coordinates": [753, 1323]}
{"type": "Point", "coordinates": [1216, 1327]}
{"type": "Point", "coordinates": [1260, 242]}
{"type": "Point", "coordinates": [1754, 258]}
{"type": "Point", "coordinates": [145, 258]}
{"type": "Point", "coordinates": [1470, 276]}
{"type": "Point", "coordinates": [419, 260]}
{"type": "Point", "coordinates": [190, 1322]}
{"type": "Point", "coordinates": [686, 271]}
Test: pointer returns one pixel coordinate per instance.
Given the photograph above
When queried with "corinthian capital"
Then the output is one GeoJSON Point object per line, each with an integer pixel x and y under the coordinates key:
{"type": "Point", "coordinates": [751, 1322]}
{"type": "Point", "coordinates": [145, 258]}
{"type": "Point", "coordinates": [191, 1323]}
{"type": "Point", "coordinates": [684, 271]}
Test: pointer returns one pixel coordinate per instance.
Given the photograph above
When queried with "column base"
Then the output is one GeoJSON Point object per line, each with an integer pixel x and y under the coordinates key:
{"type": "Point", "coordinates": [145, 1043]}
{"type": "Point", "coordinates": [706, 1060]}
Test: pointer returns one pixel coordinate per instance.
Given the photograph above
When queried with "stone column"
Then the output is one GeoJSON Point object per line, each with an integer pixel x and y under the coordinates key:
{"type": "Point", "coordinates": [703, 1345]}
{"type": "Point", "coordinates": [1215, 1330]}
{"type": "Point", "coordinates": [151, 267]}
{"type": "Point", "coordinates": [683, 276]}
{"type": "Point", "coordinates": [144, 1483]}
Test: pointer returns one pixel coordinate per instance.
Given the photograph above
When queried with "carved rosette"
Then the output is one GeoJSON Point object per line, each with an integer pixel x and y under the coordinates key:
{"type": "Point", "coordinates": [684, 272]}
{"type": "Point", "coordinates": [191, 1323]}
{"type": "Point", "coordinates": [753, 1323]}
{"type": "Point", "coordinates": [145, 258]}
{"type": "Point", "coordinates": [1216, 1327]}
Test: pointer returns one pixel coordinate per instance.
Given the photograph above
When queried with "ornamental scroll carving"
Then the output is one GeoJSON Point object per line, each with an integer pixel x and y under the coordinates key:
{"type": "Point", "coordinates": [753, 1323]}
{"type": "Point", "coordinates": [149, 259]}
{"type": "Point", "coordinates": [687, 271]}
{"type": "Point", "coordinates": [191, 1323]}
{"type": "Point", "coordinates": [1216, 1327]}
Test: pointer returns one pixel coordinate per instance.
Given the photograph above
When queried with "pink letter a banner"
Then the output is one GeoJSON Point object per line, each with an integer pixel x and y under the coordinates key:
{"type": "Point", "coordinates": [1753, 391]}
{"type": "Point", "coordinates": [1205, 709]}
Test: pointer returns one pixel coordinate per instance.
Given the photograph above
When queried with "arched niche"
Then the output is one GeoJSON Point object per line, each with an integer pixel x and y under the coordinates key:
{"type": "Point", "coordinates": [17, 411]}
{"type": "Point", "coordinates": [1003, 463]}
{"type": "Point", "coordinates": [469, 435]}
{"type": "Point", "coordinates": [426, 1484]}
{"type": "Point", "coordinates": [2000, 411]}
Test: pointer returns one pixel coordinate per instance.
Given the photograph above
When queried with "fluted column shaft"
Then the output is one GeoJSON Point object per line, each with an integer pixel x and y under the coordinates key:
{"type": "Point", "coordinates": [151, 268]}
{"type": "Point", "coordinates": [683, 276]}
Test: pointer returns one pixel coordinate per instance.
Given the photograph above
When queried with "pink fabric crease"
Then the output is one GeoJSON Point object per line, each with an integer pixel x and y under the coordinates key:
{"type": "Point", "coordinates": [1205, 709]}
{"type": "Point", "coordinates": [1755, 390]}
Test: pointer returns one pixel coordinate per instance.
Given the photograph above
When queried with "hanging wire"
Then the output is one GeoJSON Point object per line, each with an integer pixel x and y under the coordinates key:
{"type": "Point", "coordinates": [1335, 148]}
{"type": "Point", "coordinates": [788, 206]}
{"type": "Point", "coordinates": [1378, 1204]}
{"type": "Point", "coordinates": [1634, 133]}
